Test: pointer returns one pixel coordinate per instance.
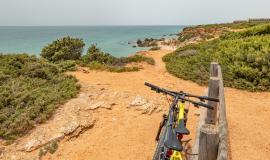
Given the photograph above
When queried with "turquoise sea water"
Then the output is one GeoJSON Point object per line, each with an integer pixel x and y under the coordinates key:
{"type": "Point", "coordinates": [111, 39]}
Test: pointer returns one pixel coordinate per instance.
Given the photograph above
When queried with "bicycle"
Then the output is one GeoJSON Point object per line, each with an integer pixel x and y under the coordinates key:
{"type": "Point", "coordinates": [172, 129]}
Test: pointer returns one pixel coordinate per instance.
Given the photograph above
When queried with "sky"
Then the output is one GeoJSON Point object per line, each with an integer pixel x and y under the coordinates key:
{"type": "Point", "coordinates": [128, 12]}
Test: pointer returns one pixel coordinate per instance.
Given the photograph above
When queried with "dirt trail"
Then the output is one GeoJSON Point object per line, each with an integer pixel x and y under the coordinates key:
{"type": "Point", "coordinates": [123, 132]}
{"type": "Point", "coordinates": [131, 135]}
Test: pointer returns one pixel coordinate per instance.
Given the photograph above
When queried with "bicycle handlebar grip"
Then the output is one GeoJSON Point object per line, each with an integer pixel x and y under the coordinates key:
{"type": "Point", "coordinates": [153, 87]}
{"type": "Point", "coordinates": [149, 85]}
{"type": "Point", "coordinates": [210, 99]}
{"type": "Point", "coordinates": [204, 105]}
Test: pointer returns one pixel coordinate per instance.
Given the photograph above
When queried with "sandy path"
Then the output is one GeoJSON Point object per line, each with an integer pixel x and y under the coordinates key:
{"type": "Point", "coordinates": [123, 133]}
{"type": "Point", "coordinates": [131, 135]}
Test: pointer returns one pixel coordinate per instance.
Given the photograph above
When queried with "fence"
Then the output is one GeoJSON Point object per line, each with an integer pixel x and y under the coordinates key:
{"type": "Point", "coordinates": [211, 142]}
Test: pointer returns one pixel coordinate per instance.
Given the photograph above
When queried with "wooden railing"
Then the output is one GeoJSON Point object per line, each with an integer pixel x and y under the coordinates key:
{"type": "Point", "coordinates": [211, 141]}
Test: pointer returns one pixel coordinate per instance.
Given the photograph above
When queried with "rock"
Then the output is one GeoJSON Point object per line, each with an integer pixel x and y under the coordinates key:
{"type": "Point", "coordinates": [32, 145]}
{"type": "Point", "coordinates": [148, 108]}
{"type": "Point", "coordinates": [98, 104]}
{"type": "Point", "coordinates": [138, 101]}
{"type": "Point", "coordinates": [123, 95]}
{"type": "Point", "coordinates": [70, 127]}
{"type": "Point", "coordinates": [41, 141]}
{"type": "Point", "coordinates": [143, 105]}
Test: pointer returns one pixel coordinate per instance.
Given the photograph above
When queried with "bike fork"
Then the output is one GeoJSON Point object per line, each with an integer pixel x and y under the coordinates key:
{"type": "Point", "coordinates": [162, 123]}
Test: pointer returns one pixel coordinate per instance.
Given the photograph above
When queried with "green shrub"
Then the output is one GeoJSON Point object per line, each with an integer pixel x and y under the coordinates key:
{"type": "Point", "coordinates": [94, 54]}
{"type": "Point", "coordinates": [30, 90]}
{"type": "Point", "coordinates": [98, 60]}
{"type": "Point", "coordinates": [68, 65]}
{"type": "Point", "coordinates": [51, 148]}
{"type": "Point", "coordinates": [98, 66]}
{"type": "Point", "coordinates": [244, 58]}
{"type": "Point", "coordinates": [66, 48]}
{"type": "Point", "coordinates": [139, 58]}
{"type": "Point", "coordinates": [258, 30]}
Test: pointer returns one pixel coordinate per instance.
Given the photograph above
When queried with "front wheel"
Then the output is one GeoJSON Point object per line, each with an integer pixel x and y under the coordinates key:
{"type": "Point", "coordinates": [160, 150]}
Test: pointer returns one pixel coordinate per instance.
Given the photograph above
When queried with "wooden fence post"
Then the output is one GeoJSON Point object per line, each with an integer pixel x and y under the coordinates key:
{"type": "Point", "coordinates": [195, 148]}
{"type": "Point", "coordinates": [214, 69]}
{"type": "Point", "coordinates": [211, 141]}
{"type": "Point", "coordinates": [223, 148]}
{"type": "Point", "coordinates": [213, 92]}
{"type": "Point", "coordinates": [208, 148]}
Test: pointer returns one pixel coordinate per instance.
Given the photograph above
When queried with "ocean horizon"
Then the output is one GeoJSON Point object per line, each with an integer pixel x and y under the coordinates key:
{"type": "Point", "coordinates": [116, 40]}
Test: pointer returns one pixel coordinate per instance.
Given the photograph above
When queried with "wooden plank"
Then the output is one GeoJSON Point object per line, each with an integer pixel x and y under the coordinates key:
{"type": "Point", "coordinates": [195, 148]}
{"type": "Point", "coordinates": [214, 69]}
{"type": "Point", "coordinates": [213, 92]}
{"type": "Point", "coordinates": [201, 122]}
{"type": "Point", "coordinates": [208, 142]}
{"type": "Point", "coordinates": [223, 126]}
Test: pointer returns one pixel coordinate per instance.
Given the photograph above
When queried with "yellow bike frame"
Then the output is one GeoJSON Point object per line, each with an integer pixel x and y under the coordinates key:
{"type": "Point", "coordinates": [181, 115]}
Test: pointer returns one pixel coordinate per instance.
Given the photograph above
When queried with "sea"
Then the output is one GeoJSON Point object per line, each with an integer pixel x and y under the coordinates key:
{"type": "Point", "coordinates": [116, 40]}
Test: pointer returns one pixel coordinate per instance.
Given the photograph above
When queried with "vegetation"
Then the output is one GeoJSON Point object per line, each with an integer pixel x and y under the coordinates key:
{"type": "Point", "coordinates": [68, 65]}
{"type": "Point", "coordinates": [66, 48]}
{"type": "Point", "coordinates": [51, 148]}
{"type": "Point", "coordinates": [30, 90]}
{"type": "Point", "coordinates": [244, 57]}
{"type": "Point", "coordinates": [210, 31]}
{"type": "Point", "coordinates": [98, 60]}
{"type": "Point", "coordinates": [242, 25]}
{"type": "Point", "coordinates": [98, 66]}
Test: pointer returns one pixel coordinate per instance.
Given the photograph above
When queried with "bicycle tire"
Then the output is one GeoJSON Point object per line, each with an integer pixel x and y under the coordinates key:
{"type": "Point", "coordinates": [160, 144]}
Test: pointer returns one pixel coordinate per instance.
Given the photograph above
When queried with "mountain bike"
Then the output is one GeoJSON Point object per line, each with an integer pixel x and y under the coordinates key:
{"type": "Point", "coordinates": [172, 129]}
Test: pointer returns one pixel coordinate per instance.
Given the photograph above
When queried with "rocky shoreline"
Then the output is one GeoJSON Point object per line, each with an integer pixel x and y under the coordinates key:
{"type": "Point", "coordinates": [188, 35]}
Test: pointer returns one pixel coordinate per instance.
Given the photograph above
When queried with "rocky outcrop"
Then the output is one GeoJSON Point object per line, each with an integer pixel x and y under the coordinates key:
{"type": "Point", "coordinates": [149, 42]}
{"type": "Point", "coordinates": [200, 33]}
{"type": "Point", "coordinates": [74, 118]}
{"type": "Point", "coordinates": [143, 105]}
{"type": "Point", "coordinates": [69, 121]}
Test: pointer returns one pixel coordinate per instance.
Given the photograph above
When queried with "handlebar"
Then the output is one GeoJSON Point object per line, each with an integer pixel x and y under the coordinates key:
{"type": "Point", "coordinates": [182, 95]}
{"type": "Point", "coordinates": [158, 89]}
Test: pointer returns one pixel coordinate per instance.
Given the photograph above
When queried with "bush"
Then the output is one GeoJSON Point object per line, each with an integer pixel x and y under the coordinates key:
{"type": "Point", "coordinates": [30, 90]}
{"type": "Point", "coordinates": [66, 48]}
{"type": "Point", "coordinates": [139, 58]}
{"type": "Point", "coordinates": [51, 148]}
{"type": "Point", "coordinates": [98, 66]}
{"type": "Point", "coordinates": [68, 65]}
{"type": "Point", "coordinates": [96, 59]}
{"type": "Point", "coordinates": [244, 58]}
{"type": "Point", "coordinates": [95, 54]}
